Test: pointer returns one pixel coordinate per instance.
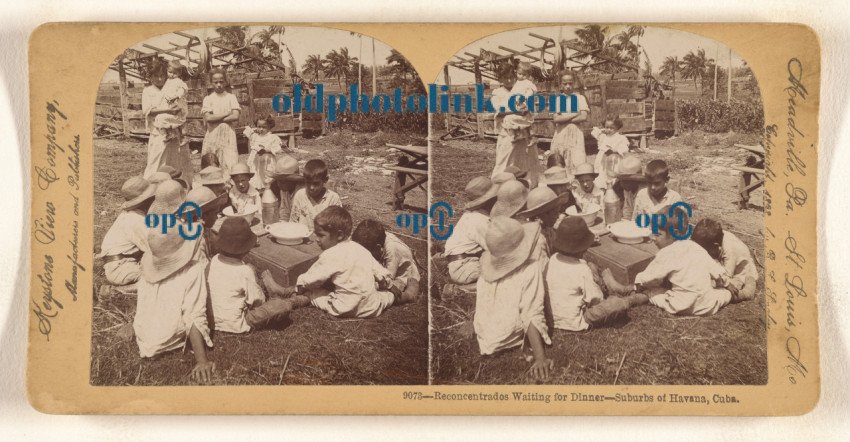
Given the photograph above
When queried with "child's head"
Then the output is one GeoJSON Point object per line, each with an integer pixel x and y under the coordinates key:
{"type": "Point", "coordinates": [175, 69]}
{"type": "Point", "coordinates": [545, 205]}
{"type": "Point", "coordinates": [235, 238]}
{"type": "Point", "coordinates": [209, 159]}
{"type": "Point", "coordinates": [709, 234]}
{"type": "Point", "coordinates": [138, 194]}
{"type": "Point", "coordinates": [555, 160]}
{"type": "Point", "coordinates": [664, 237]}
{"type": "Point", "coordinates": [585, 176]}
{"type": "Point", "coordinates": [523, 70]}
{"type": "Point", "coordinates": [573, 237]}
{"type": "Point", "coordinates": [158, 74]}
{"type": "Point", "coordinates": [263, 124]}
{"type": "Point", "coordinates": [219, 80]}
{"type": "Point", "coordinates": [332, 226]}
{"type": "Point", "coordinates": [612, 124]}
{"type": "Point", "coordinates": [213, 177]}
{"type": "Point", "coordinates": [481, 194]}
{"type": "Point", "coordinates": [568, 81]}
{"type": "Point", "coordinates": [557, 179]}
{"type": "Point", "coordinates": [371, 234]}
{"type": "Point", "coordinates": [241, 175]}
{"type": "Point", "coordinates": [315, 177]}
{"type": "Point", "coordinates": [657, 174]}
{"type": "Point", "coordinates": [507, 76]}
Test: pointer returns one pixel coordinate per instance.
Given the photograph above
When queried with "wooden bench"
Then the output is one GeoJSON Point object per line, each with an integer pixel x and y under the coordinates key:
{"type": "Point", "coordinates": [414, 165]}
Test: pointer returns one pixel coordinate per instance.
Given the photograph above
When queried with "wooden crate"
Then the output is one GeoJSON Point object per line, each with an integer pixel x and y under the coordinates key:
{"type": "Point", "coordinates": [665, 105]}
{"type": "Point", "coordinates": [285, 263]}
{"type": "Point", "coordinates": [624, 260]}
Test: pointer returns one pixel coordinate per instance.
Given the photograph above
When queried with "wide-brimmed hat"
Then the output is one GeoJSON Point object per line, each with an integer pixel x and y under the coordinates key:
{"type": "Point", "coordinates": [542, 199]}
{"type": "Point", "coordinates": [169, 252]}
{"type": "Point", "coordinates": [556, 175]}
{"type": "Point", "coordinates": [510, 199]}
{"type": "Point", "coordinates": [630, 168]}
{"type": "Point", "coordinates": [159, 177]}
{"type": "Point", "coordinates": [286, 169]}
{"type": "Point", "coordinates": [515, 171]}
{"type": "Point", "coordinates": [509, 244]}
{"type": "Point", "coordinates": [480, 190]}
{"type": "Point", "coordinates": [572, 235]}
{"type": "Point", "coordinates": [241, 169]}
{"type": "Point", "coordinates": [211, 175]}
{"type": "Point", "coordinates": [135, 191]}
{"type": "Point", "coordinates": [167, 199]}
{"type": "Point", "coordinates": [502, 178]}
{"type": "Point", "coordinates": [171, 171]}
{"type": "Point", "coordinates": [585, 169]}
{"type": "Point", "coordinates": [235, 236]}
{"type": "Point", "coordinates": [201, 195]}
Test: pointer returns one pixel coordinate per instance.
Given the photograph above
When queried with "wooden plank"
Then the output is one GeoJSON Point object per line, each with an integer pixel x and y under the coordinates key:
{"type": "Point", "coordinates": [752, 148]}
{"type": "Point", "coordinates": [418, 150]}
{"type": "Point", "coordinates": [626, 108]}
{"type": "Point", "coordinates": [665, 125]}
{"type": "Point", "coordinates": [665, 115]}
{"type": "Point", "coordinates": [748, 169]}
{"type": "Point", "coordinates": [268, 88]}
{"type": "Point", "coordinates": [633, 124]}
{"type": "Point", "coordinates": [623, 92]}
{"type": "Point", "coordinates": [665, 105]}
{"type": "Point", "coordinates": [407, 170]}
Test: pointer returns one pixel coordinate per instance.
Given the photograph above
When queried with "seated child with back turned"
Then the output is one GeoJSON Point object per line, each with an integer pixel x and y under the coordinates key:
{"type": "Point", "coordinates": [466, 244]}
{"type": "Point", "coordinates": [393, 254]}
{"type": "Point", "coordinates": [314, 197]}
{"type": "Point", "coordinates": [126, 240]}
{"type": "Point", "coordinates": [358, 281]}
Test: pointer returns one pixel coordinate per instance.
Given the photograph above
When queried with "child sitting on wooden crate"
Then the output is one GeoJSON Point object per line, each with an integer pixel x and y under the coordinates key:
{"type": "Point", "coordinates": [509, 301]}
{"type": "Point", "coordinates": [698, 285]}
{"type": "Point", "coordinates": [393, 254]}
{"type": "Point", "coordinates": [732, 253]}
{"type": "Point", "coordinates": [126, 240]}
{"type": "Point", "coordinates": [360, 285]}
{"type": "Point", "coordinates": [314, 197]}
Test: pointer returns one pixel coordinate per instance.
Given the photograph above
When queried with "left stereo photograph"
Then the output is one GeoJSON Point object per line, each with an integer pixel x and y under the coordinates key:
{"type": "Point", "coordinates": [243, 233]}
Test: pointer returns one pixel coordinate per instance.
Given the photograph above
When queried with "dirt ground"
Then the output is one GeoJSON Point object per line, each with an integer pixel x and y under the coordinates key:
{"type": "Point", "coordinates": [651, 347]}
{"type": "Point", "coordinates": [314, 348]}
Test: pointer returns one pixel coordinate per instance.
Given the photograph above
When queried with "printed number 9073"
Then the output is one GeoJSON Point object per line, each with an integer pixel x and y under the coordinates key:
{"type": "Point", "coordinates": [414, 395]}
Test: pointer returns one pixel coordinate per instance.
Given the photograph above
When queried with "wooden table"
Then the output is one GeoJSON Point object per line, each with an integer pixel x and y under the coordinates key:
{"type": "Point", "coordinates": [285, 263]}
{"type": "Point", "coordinates": [414, 165]}
{"type": "Point", "coordinates": [752, 173]}
{"type": "Point", "coordinates": [624, 260]}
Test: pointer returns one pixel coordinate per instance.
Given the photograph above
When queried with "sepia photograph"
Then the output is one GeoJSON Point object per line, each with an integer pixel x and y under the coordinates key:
{"type": "Point", "coordinates": [617, 240]}
{"type": "Point", "coordinates": [243, 240]}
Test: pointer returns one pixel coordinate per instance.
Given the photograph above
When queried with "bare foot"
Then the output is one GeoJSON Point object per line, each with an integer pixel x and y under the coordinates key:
{"type": "Point", "coordinates": [125, 333]}
{"type": "Point", "coordinates": [467, 330]}
{"type": "Point", "coordinates": [270, 284]}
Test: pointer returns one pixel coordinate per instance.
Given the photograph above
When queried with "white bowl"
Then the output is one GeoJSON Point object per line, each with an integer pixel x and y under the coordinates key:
{"type": "Point", "coordinates": [249, 213]}
{"type": "Point", "coordinates": [589, 214]}
{"type": "Point", "coordinates": [627, 232]}
{"type": "Point", "coordinates": [287, 233]}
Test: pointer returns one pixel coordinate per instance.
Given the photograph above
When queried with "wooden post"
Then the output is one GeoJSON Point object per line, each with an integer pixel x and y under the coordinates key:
{"type": "Point", "coordinates": [448, 114]}
{"type": "Point", "coordinates": [673, 97]}
{"type": "Point", "coordinates": [729, 79]}
{"type": "Point", "coordinates": [374, 70]}
{"type": "Point", "coordinates": [478, 80]}
{"type": "Point", "coordinates": [716, 60]}
{"type": "Point", "coordinates": [122, 90]}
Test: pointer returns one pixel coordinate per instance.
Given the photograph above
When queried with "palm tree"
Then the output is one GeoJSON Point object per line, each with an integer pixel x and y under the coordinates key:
{"type": "Point", "coordinates": [670, 66]}
{"type": "Point", "coordinates": [339, 64]}
{"type": "Point", "coordinates": [695, 66]}
{"type": "Point", "coordinates": [313, 66]}
{"type": "Point", "coordinates": [626, 48]}
{"type": "Point", "coordinates": [400, 66]}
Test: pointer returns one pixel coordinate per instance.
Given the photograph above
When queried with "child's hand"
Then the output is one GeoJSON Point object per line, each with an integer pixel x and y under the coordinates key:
{"type": "Point", "coordinates": [541, 367]}
{"type": "Point", "coordinates": [202, 372]}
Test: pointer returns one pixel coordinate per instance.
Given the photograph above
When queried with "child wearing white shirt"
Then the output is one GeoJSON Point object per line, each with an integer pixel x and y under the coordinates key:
{"type": "Point", "coordinates": [466, 244]}
{"type": "Point", "coordinates": [174, 91]}
{"type": "Point", "coordinates": [392, 253]}
{"type": "Point", "coordinates": [652, 198]}
{"type": "Point", "coordinates": [264, 146]}
{"type": "Point", "coordinates": [243, 196]}
{"type": "Point", "coordinates": [610, 141]}
{"type": "Point", "coordinates": [732, 254]}
{"type": "Point", "coordinates": [314, 197]}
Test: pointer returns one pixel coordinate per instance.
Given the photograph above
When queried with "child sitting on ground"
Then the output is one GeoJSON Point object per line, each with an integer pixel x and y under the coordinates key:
{"type": "Point", "coordinates": [238, 302]}
{"type": "Point", "coordinates": [243, 195]}
{"type": "Point", "coordinates": [313, 197]}
{"type": "Point", "coordinates": [509, 301]}
{"type": "Point", "coordinates": [698, 284]}
{"type": "Point", "coordinates": [587, 193]}
{"type": "Point", "coordinates": [172, 292]}
{"type": "Point", "coordinates": [174, 91]}
{"type": "Point", "coordinates": [360, 284]}
{"type": "Point", "coordinates": [610, 142]}
{"type": "Point", "coordinates": [732, 254]}
{"type": "Point", "coordinates": [264, 146]}
{"type": "Point", "coordinates": [466, 244]}
{"type": "Point", "coordinates": [576, 299]}
{"type": "Point", "coordinates": [547, 208]}
{"type": "Point", "coordinates": [656, 195]}
{"type": "Point", "coordinates": [394, 255]}
{"type": "Point", "coordinates": [126, 240]}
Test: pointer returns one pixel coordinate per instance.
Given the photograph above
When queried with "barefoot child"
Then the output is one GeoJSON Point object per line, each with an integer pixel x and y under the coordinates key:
{"type": "Point", "coordinates": [510, 294]}
{"type": "Point", "coordinates": [264, 147]}
{"type": "Point", "coordinates": [359, 283]}
{"type": "Point", "coordinates": [126, 239]}
{"type": "Point", "coordinates": [172, 292]}
{"type": "Point", "coordinates": [466, 244]}
{"type": "Point", "coordinates": [610, 142]}
{"type": "Point", "coordinates": [656, 195]}
{"type": "Point", "coordinates": [239, 304]}
{"type": "Point", "coordinates": [243, 195]}
{"type": "Point", "coordinates": [314, 197]}
{"type": "Point", "coordinates": [394, 255]}
{"type": "Point", "coordinates": [576, 299]}
{"type": "Point", "coordinates": [732, 254]}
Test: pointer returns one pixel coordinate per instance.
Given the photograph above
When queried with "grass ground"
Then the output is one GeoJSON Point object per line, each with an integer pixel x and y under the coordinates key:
{"type": "Point", "coordinates": [650, 347]}
{"type": "Point", "coordinates": [314, 348]}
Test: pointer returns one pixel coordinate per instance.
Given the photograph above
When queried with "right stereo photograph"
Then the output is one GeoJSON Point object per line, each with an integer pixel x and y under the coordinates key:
{"type": "Point", "coordinates": [606, 193]}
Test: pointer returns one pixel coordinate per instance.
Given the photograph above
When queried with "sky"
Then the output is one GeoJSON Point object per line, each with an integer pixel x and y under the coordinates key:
{"type": "Point", "coordinates": [301, 40]}
{"type": "Point", "coordinates": [659, 43]}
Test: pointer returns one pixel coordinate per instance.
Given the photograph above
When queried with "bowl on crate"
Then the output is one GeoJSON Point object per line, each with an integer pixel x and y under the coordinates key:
{"type": "Point", "coordinates": [627, 232]}
{"type": "Point", "coordinates": [589, 214]}
{"type": "Point", "coordinates": [248, 213]}
{"type": "Point", "coordinates": [287, 233]}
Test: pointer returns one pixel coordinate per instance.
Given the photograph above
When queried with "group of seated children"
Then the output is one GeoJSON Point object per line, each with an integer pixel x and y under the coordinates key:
{"type": "Point", "coordinates": [355, 276]}
{"type": "Point", "coordinates": [522, 253]}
